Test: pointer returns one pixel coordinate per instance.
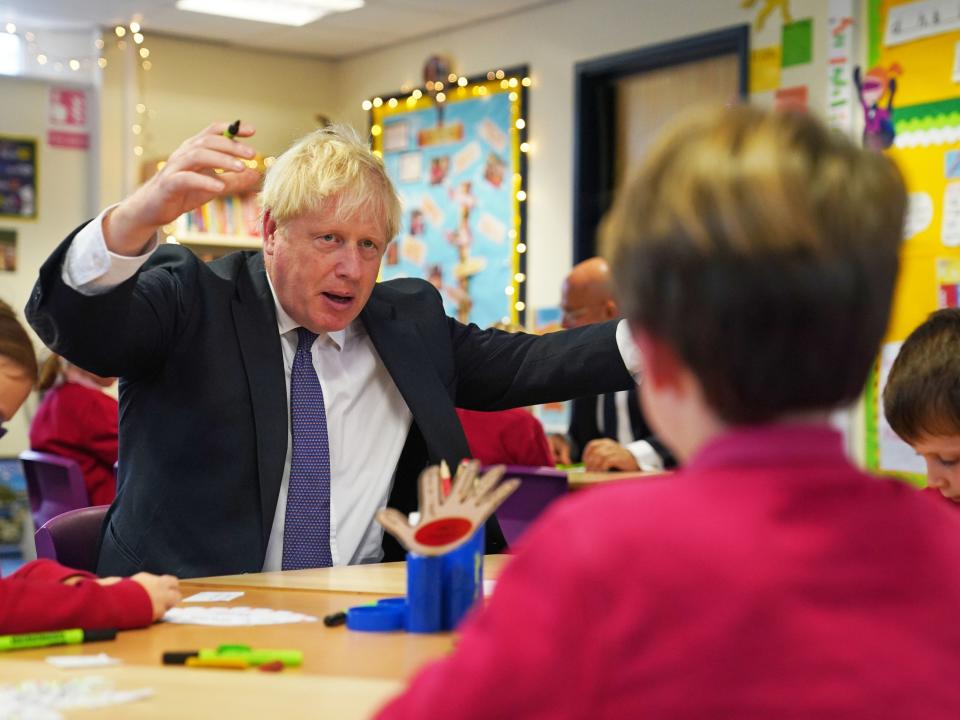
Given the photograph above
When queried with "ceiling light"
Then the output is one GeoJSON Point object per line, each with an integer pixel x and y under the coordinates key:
{"type": "Point", "coordinates": [281, 12]}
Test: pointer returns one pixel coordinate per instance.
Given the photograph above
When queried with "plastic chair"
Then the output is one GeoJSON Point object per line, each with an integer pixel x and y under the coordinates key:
{"type": "Point", "coordinates": [73, 538]}
{"type": "Point", "coordinates": [54, 485]}
{"type": "Point", "coordinates": [539, 487]}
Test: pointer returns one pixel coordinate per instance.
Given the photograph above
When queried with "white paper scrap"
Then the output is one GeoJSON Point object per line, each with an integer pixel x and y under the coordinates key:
{"type": "Point", "coordinates": [41, 699]}
{"type": "Point", "coordinates": [233, 616]}
{"type": "Point", "coordinates": [211, 596]}
{"type": "Point", "coordinates": [75, 662]}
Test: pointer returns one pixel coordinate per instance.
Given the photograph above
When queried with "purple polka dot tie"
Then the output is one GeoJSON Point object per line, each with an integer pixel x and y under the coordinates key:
{"type": "Point", "coordinates": [306, 530]}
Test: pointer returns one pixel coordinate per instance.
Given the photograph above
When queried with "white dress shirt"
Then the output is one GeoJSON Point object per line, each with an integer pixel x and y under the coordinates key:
{"type": "Point", "coordinates": [367, 419]}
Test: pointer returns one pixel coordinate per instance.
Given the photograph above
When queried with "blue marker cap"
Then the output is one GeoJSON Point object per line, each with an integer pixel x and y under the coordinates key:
{"type": "Point", "coordinates": [375, 618]}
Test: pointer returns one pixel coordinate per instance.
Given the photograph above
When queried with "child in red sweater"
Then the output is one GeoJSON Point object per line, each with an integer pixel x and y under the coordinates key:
{"type": "Point", "coordinates": [78, 420]}
{"type": "Point", "coordinates": [922, 400]}
{"type": "Point", "coordinates": [43, 595]}
{"type": "Point", "coordinates": [769, 578]}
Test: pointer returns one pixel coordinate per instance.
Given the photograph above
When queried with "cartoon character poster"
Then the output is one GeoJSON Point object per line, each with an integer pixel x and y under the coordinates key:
{"type": "Point", "coordinates": [458, 174]}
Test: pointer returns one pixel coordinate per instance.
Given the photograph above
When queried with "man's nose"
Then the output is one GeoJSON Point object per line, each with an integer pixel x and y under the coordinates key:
{"type": "Point", "coordinates": [348, 261]}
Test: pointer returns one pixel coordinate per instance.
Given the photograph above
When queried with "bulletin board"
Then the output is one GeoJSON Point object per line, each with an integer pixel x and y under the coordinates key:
{"type": "Point", "coordinates": [457, 156]}
{"type": "Point", "coordinates": [923, 39]}
{"type": "Point", "coordinates": [18, 177]}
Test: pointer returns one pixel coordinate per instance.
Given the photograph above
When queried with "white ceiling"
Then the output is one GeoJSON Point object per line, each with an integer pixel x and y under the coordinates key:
{"type": "Point", "coordinates": [378, 24]}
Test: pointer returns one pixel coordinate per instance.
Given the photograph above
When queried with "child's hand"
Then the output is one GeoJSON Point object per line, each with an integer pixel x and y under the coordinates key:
{"type": "Point", "coordinates": [164, 591]}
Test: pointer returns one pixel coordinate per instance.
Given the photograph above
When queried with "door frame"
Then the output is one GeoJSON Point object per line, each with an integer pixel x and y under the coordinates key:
{"type": "Point", "coordinates": [595, 116]}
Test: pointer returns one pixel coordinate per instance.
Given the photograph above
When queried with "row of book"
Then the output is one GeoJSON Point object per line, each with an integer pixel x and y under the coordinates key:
{"type": "Point", "coordinates": [229, 215]}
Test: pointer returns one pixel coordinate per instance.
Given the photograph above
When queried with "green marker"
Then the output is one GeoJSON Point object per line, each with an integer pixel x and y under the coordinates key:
{"type": "Point", "coordinates": [59, 637]}
{"type": "Point", "coordinates": [232, 129]}
{"type": "Point", "coordinates": [289, 658]}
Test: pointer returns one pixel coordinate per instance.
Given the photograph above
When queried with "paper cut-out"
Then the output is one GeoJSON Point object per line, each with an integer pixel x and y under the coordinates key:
{"type": "Point", "coordinates": [878, 129]}
{"type": "Point", "coordinates": [767, 7]}
{"type": "Point", "coordinates": [448, 520]}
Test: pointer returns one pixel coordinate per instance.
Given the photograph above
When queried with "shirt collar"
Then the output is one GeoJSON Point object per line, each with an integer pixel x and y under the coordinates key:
{"type": "Point", "coordinates": [762, 445]}
{"type": "Point", "coordinates": [286, 324]}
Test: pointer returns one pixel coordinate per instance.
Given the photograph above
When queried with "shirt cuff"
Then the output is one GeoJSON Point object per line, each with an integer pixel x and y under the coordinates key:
{"type": "Point", "coordinates": [628, 349]}
{"type": "Point", "coordinates": [90, 268]}
{"type": "Point", "coordinates": [647, 458]}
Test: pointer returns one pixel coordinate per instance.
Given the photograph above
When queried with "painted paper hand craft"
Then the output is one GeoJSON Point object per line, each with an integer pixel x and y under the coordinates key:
{"type": "Point", "coordinates": [448, 520]}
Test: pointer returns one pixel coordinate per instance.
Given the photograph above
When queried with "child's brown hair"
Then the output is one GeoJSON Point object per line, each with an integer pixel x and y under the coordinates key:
{"type": "Point", "coordinates": [762, 248]}
{"type": "Point", "coordinates": [922, 396]}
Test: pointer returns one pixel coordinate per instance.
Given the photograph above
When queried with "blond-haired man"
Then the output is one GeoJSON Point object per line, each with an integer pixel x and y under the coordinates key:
{"type": "Point", "coordinates": [272, 401]}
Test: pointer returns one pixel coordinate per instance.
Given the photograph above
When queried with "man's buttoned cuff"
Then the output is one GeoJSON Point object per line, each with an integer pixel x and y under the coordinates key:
{"type": "Point", "coordinates": [628, 349]}
{"type": "Point", "coordinates": [647, 458]}
{"type": "Point", "coordinates": [90, 268]}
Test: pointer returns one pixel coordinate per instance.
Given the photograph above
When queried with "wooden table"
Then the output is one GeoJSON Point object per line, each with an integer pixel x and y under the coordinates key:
{"type": "Point", "coordinates": [345, 674]}
{"type": "Point", "coordinates": [382, 579]}
{"type": "Point", "coordinates": [581, 479]}
{"type": "Point", "coordinates": [181, 693]}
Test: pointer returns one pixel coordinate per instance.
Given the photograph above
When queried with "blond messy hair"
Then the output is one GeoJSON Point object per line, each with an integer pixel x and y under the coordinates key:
{"type": "Point", "coordinates": [331, 163]}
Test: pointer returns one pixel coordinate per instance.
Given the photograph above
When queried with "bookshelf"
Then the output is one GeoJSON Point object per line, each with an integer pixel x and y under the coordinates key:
{"type": "Point", "coordinates": [224, 224]}
{"type": "Point", "coordinates": [231, 221]}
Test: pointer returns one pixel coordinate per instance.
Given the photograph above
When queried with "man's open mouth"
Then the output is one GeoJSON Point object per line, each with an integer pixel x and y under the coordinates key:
{"type": "Point", "coordinates": [339, 299]}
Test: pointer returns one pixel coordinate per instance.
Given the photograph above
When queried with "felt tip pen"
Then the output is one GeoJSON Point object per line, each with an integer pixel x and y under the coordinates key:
{"type": "Point", "coordinates": [74, 636]}
{"type": "Point", "coordinates": [232, 129]}
{"type": "Point", "coordinates": [207, 657]}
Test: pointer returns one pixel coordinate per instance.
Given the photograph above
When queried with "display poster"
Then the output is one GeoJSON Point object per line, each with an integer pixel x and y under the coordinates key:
{"type": "Point", "coordinates": [457, 166]}
{"type": "Point", "coordinates": [18, 177]}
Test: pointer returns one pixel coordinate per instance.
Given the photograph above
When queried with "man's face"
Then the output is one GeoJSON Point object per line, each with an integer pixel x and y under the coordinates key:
{"type": "Point", "coordinates": [581, 306]}
{"type": "Point", "coordinates": [323, 269]}
{"type": "Point", "coordinates": [942, 455]}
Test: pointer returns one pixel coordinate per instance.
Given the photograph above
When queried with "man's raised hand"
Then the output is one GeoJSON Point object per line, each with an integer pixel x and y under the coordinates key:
{"type": "Point", "coordinates": [204, 167]}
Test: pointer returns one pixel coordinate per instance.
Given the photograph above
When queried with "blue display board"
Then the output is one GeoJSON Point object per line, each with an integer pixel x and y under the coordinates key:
{"type": "Point", "coordinates": [459, 171]}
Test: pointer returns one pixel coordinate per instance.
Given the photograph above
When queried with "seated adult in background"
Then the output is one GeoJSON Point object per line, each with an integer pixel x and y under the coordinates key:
{"type": "Point", "coordinates": [78, 420]}
{"type": "Point", "coordinates": [607, 432]}
{"type": "Point", "coordinates": [769, 578]}
{"type": "Point", "coordinates": [220, 474]}
{"type": "Point", "coordinates": [43, 595]}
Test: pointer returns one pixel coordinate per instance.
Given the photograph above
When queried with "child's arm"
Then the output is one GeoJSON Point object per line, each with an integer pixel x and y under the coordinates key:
{"type": "Point", "coordinates": [37, 598]}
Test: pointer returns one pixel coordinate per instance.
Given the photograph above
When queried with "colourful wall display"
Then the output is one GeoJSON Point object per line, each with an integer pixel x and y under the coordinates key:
{"type": "Point", "coordinates": [457, 157]}
{"type": "Point", "coordinates": [18, 177]}
{"type": "Point", "coordinates": [916, 43]}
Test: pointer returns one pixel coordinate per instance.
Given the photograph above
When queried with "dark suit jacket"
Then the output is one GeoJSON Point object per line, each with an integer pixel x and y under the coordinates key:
{"type": "Point", "coordinates": [584, 427]}
{"type": "Point", "coordinates": [203, 406]}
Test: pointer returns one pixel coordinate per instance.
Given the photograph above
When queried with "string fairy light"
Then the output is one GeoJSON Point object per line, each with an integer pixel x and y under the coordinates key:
{"type": "Point", "coordinates": [432, 94]}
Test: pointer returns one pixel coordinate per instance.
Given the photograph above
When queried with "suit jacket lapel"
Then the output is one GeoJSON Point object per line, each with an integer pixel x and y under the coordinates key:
{"type": "Point", "coordinates": [405, 355]}
{"type": "Point", "coordinates": [255, 319]}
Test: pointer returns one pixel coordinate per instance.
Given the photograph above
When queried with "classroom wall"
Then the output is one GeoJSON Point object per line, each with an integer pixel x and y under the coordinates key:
{"type": "Point", "coordinates": [61, 203]}
{"type": "Point", "coordinates": [192, 83]}
{"type": "Point", "coordinates": [551, 40]}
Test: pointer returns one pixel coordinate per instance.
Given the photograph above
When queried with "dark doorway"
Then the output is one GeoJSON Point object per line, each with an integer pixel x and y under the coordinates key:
{"type": "Point", "coordinates": [623, 99]}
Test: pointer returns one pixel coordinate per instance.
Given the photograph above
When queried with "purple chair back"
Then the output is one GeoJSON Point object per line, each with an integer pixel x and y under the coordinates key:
{"type": "Point", "coordinates": [539, 487]}
{"type": "Point", "coordinates": [54, 485]}
{"type": "Point", "coordinates": [73, 538]}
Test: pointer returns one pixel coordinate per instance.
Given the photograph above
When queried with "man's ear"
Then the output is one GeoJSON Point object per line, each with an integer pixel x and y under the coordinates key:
{"type": "Point", "coordinates": [268, 232]}
{"type": "Point", "coordinates": [660, 365]}
{"type": "Point", "coordinates": [610, 310]}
